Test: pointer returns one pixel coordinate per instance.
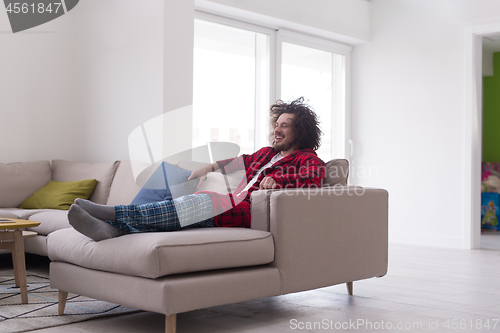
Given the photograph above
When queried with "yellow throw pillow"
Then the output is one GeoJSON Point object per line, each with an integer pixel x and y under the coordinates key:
{"type": "Point", "coordinates": [59, 195]}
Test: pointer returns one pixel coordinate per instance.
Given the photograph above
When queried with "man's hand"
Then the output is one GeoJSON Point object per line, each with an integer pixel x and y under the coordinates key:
{"type": "Point", "coordinates": [268, 183]}
{"type": "Point", "coordinates": [201, 173]}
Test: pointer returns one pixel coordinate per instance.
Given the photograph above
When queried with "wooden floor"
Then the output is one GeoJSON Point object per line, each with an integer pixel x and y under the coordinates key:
{"type": "Point", "coordinates": [426, 290]}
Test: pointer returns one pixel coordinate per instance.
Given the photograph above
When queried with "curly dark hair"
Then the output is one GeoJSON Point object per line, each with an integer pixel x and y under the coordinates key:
{"type": "Point", "coordinates": [305, 125]}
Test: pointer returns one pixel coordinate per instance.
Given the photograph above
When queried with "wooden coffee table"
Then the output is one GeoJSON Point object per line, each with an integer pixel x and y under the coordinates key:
{"type": "Point", "coordinates": [11, 238]}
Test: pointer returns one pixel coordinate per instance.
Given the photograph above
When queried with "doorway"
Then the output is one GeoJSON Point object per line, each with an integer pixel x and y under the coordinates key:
{"type": "Point", "coordinates": [473, 131]}
{"type": "Point", "coordinates": [490, 172]}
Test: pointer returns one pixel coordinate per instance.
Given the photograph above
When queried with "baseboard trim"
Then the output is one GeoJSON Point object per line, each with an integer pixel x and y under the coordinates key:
{"type": "Point", "coordinates": [427, 240]}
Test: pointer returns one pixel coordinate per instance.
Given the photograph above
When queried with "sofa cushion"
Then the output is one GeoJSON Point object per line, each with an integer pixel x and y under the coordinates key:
{"type": "Point", "coordinates": [20, 180]}
{"type": "Point", "coordinates": [18, 213]}
{"type": "Point", "coordinates": [123, 188]}
{"type": "Point", "coordinates": [59, 195]}
{"type": "Point", "coordinates": [216, 181]}
{"type": "Point", "coordinates": [336, 172]}
{"type": "Point", "coordinates": [50, 221]}
{"type": "Point", "coordinates": [8, 213]}
{"type": "Point", "coordinates": [153, 255]}
{"type": "Point", "coordinates": [166, 182]}
{"type": "Point", "coordinates": [65, 171]}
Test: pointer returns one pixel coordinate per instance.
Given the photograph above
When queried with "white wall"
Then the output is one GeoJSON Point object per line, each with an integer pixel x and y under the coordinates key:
{"type": "Point", "coordinates": [74, 88]}
{"type": "Point", "coordinates": [107, 66]}
{"type": "Point", "coordinates": [346, 21]}
{"type": "Point", "coordinates": [178, 76]}
{"type": "Point", "coordinates": [408, 110]}
{"type": "Point", "coordinates": [487, 61]}
{"type": "Point", "coordinates": [36, 86]}
{"type": "Point", "coordinates": [490, 45]}
{"type": "Point", "coordinates": [118, 74]}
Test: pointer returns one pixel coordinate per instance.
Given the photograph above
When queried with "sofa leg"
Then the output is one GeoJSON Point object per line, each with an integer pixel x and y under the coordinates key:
{"type": "Point", "coordinates": [349, 287]}
{"type": "Point", "coordinates": [63, 296]}
{"type": "Point", "coordinates": [170, 323]}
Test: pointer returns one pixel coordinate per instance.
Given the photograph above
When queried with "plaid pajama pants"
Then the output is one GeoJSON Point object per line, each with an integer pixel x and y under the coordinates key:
{"type": "Point", "coordinates": [189, 211]}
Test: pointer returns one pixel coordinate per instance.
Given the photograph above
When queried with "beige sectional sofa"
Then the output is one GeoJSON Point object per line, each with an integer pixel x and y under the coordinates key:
{"type": "Point", "coordinates": [18, 181]}
{"type": "Point", "coordinates": [300, 239]}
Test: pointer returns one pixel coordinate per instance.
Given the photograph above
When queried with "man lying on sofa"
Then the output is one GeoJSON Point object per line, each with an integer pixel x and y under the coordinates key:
{"type": "Point", "coordinates": [290, 163]}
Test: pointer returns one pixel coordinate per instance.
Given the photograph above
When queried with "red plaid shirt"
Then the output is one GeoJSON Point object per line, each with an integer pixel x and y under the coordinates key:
{"type": "Point", "coordinates": [302, 168]}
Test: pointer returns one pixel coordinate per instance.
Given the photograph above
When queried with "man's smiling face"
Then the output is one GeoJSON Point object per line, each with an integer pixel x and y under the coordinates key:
{"type": "Point", "coordinates": [284, 138]}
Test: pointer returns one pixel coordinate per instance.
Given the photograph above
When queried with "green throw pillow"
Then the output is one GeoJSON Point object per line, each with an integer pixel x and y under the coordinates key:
{"type": "Point", "coordinates": [59, 195]}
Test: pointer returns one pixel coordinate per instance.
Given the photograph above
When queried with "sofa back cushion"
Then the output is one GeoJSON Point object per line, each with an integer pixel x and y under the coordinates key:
{"type": "Point", "coordinates": [336, 172]}
{"type": "Point", "coordinates": [20, 180]}
{"type": "Point", "coordinates": [216, 181]}
{"type": "Point", "coordinates": [167, 182]}
{"type": "Point", "coordinates": [66, 171]}
{"type": "Point", "coordinates": [124, 188]}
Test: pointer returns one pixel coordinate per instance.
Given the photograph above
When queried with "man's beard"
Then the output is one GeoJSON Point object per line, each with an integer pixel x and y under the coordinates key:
{"type": "Point", "coordinates": [283, 146]}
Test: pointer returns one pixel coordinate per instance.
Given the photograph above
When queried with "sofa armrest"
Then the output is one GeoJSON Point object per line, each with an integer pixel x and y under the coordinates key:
{"type": "Point", "coordinates": [260, 209]}
{"type": "Point", "coordinates": [327, 236]}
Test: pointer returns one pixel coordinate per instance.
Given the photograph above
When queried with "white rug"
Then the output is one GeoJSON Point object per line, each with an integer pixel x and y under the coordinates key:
{"type": "Point", "coordinates": [41, 312]}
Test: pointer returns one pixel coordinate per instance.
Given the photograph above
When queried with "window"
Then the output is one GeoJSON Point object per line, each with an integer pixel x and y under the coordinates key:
{"type": "Point", "coordinates": [319, 76]}
{"type": "Point", "coordinates": [231, 80]}
{"type": "Point", "coordinates": [240, 69]}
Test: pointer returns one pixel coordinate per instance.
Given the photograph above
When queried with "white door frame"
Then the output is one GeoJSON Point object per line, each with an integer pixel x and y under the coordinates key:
{"type": "Point", "coordinates": [473, 132]}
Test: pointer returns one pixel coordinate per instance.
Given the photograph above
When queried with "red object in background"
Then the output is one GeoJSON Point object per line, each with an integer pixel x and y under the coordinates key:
{"type": "Point", "coordinates": [487, 167]}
